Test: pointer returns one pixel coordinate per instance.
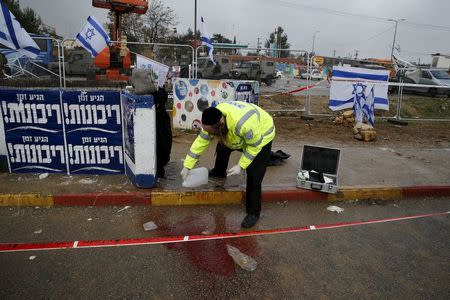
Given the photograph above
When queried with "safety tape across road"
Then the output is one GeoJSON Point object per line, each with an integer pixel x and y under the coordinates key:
{"type": "Point", "coordinates": [297, 90]}
{"type": "Point", "coordinates": [24, 247]}
{"type": "Point", "coordinates": [399, 84]}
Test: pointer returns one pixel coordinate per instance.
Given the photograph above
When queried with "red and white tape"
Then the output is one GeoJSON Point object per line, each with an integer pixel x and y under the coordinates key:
{"type": "Point", "coordinates": [15, 247]}
{"type": "Point", "coordinates": [299, 89]}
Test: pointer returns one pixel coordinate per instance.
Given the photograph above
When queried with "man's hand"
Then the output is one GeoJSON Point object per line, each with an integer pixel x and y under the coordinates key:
{"type": "Point", "coordinates": [184, 173]}
{"type": "Point", "coordinates": [236, 170]}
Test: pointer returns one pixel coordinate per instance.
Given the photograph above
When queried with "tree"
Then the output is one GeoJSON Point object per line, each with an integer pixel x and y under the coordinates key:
{"type": "Point", "coordinates": [156, 25]}
{"type": "Point", "coordinates": [27, 17]}
{"type": "Point", "coordinates": [219, 38]}
{"type": "Point", "coordinates": [281, 40]}
{"type": "Point", "coordinates": [132, 25]}
{"type": "Point", "coordinates": [158, 22]}
{"type": "Point", "coordinates": [187, 38]}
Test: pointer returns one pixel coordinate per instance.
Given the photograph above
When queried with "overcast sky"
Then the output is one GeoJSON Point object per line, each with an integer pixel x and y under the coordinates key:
{"type": "Point", "coordinates": [361, 26]}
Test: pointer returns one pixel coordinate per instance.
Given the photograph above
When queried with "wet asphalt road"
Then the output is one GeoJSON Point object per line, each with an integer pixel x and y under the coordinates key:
{"type": "Point", "coordinates": [407, 259]}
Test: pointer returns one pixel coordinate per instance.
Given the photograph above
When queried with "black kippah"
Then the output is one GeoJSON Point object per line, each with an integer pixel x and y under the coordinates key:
{"type": "Point", "coordinates": [211, 116]}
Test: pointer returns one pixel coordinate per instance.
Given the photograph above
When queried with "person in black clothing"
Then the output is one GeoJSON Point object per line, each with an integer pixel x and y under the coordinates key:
{"type": "Point", "coordinates": [163, 132]}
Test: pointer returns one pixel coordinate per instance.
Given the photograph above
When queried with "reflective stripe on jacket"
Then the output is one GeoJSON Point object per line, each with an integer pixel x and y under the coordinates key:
{"type": "Point", "coordinates": [249, 128]}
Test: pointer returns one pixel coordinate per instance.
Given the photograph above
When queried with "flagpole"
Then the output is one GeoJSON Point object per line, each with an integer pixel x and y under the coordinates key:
{"type": "Point", "coordinates": [194, 63]}
{"type": "Point", "coordinates": [395, 35]}
{"type": "Point", "coordinates": [195, 17]}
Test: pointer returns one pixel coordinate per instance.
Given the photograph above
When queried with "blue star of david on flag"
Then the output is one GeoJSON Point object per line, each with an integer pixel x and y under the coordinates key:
{"type": "Point", "coordinates": [93, 37]}
{"type": "Point", "coordinates": [89, 33]}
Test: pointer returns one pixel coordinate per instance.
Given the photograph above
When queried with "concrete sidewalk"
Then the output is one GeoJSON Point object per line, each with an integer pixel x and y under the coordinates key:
{"type": "Point", "coordinates": [365, 172]}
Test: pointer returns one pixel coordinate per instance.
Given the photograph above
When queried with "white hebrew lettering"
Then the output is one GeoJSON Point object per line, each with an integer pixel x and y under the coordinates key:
{"type": "Point", "coordinates": [88, 114]}
{"type": "Point", "coordinates": [80, 155]}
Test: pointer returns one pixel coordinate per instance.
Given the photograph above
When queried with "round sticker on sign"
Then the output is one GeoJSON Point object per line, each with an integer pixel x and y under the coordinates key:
{"type": "Point", "coordinates": [181, 89]}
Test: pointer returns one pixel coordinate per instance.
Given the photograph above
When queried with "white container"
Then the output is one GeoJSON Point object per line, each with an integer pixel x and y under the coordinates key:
{"type": "Point", "coordinates": [196, 178]}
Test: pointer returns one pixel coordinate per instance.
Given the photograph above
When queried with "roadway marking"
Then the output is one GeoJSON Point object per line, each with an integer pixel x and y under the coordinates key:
{"type": "Point", "coordinates": [16, 247]}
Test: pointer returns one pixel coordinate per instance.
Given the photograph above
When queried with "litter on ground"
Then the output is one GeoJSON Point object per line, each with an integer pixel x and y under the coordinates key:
{"type": "Point", "coordinates": [335, 208]}
{"type": "Point", "coordinates": [150, 226]}
{"type": "Point", "coordinates": [43, 175]}
{"type": "Point", "coordinates": [87, 181]}
{"type": "Point", "coordinates": [125, 208]}
{"type": "Point", "coordinates": [241, 259]}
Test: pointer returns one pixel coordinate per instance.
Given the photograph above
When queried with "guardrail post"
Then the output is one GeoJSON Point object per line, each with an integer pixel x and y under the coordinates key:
{"type": "Point", "coordinates": [307, 115]}
{"type": "Point", "coordinates": [397, 119]}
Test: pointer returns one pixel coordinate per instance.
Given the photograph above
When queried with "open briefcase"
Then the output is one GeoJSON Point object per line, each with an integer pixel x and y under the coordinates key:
{"type": "Point", "coordinates": [319, 169]}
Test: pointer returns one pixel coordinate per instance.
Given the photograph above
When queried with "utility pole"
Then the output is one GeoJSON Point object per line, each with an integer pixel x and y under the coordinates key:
{"type": "Point", "coordinates": [258, 46]}
{"type": "Point", "coordinates": [356, 54]}
{"type": "Point", "coordinates": [276, 42]}
{"type": "Point", "coordinates": [195, 17]}
{"type": "Point", "coordinates": [395, 35]}
{"type": "Point", "coordinates": [334, 52]}
{"type": "Point", "coordinates": [314, 38]}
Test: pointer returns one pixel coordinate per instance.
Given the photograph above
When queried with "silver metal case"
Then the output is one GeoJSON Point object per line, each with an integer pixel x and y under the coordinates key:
{"type": "Point", "coordinates": [322, 160]}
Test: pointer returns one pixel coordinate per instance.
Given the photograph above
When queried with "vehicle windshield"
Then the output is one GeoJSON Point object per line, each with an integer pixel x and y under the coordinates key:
{"type": "Point", "coordinates": [244, 65]}
{"type": "Point", "coordinates": [440, 74]}
{"type": "Point", "coordinates": [42, 44]}
{"type": "Point", "coordinates": [202, 62]}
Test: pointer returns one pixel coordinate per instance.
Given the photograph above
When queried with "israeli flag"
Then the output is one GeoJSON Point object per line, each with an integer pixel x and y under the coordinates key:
{"type": "Point", "coordinates": [13, 36]}
{"type": "Point", "coordinates": [93, 37]}
{"type": "Point", "coordinates": [364, 90]}
{"type": "Point", "coordinates": [206, 40]}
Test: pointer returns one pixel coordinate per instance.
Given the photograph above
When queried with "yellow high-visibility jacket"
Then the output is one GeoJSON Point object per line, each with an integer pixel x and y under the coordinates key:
{"type": "Point", "coordinates": [249, 128]}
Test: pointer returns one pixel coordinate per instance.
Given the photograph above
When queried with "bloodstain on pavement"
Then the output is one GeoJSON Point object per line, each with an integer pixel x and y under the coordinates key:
{"type": "Point", "coordinates": [209, 256]}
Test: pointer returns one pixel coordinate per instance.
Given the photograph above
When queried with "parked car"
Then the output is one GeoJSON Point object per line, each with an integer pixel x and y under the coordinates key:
{"type": "Point", "coordinates": [315, 75]}
{"type": "Point", "coordinates": [77, 62]}
{"type": "Point", "coordinates": [206, 68]}
{"type": "Point", "coordinates": [426, 77]}
{"type": "Point", "coordinates": [255, 70]}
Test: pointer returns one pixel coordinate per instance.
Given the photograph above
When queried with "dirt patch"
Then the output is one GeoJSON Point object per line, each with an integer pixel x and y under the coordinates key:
{"type": "Point", "coordinates": [413, 106]}
{"type": "Point", "coordinates": [416, 134]}
{"type": "Point", "coordinates": [292, 130]}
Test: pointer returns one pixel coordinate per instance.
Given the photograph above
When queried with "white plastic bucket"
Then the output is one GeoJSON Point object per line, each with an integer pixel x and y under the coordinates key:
{"type": "Point", "coordinates": [196, 178]}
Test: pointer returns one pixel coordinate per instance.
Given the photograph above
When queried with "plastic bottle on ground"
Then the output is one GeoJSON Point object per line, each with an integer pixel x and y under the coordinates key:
{"type": "Point", "coordinates": [196, 178]}
{"type": "Point", "coordinates": [243, 260]}
{"type": "Point", "coordinates": [149, 226]}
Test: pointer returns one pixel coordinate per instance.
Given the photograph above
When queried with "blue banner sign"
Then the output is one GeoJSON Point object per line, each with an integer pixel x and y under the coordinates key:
{"type": "Point", "coordinates": [33, 126]}
{"type": "Point", "coordinates": [76, 132]}
{"type": "Point", "coordinates": [93, 123]}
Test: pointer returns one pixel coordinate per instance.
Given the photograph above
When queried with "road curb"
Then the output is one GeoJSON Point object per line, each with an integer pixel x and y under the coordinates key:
{"type": "Point", "coordinates": [214, 197]}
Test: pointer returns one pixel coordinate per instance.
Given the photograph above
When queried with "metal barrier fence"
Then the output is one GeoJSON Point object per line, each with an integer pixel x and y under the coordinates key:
{"type": "Point", "coordinates": [79, 65]}
{"type": "Point", "coordinates": [43, 66]}
{"type": "Point", "coordinates": [249, 63]}
{"type": "Point", "coordinates": [407, 101]}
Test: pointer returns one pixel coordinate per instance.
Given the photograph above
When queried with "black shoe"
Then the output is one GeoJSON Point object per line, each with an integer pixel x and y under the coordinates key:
{"type": "Point", "coordinates": [282, 154]}
{"type": "Point", "coordinates": [249, 221]}
{"type": "Point", "coordinates": [214, 174]}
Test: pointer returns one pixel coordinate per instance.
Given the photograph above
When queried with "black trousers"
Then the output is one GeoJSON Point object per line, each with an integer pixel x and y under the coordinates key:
{"type": "Point", "coordinates": [255, 174]}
